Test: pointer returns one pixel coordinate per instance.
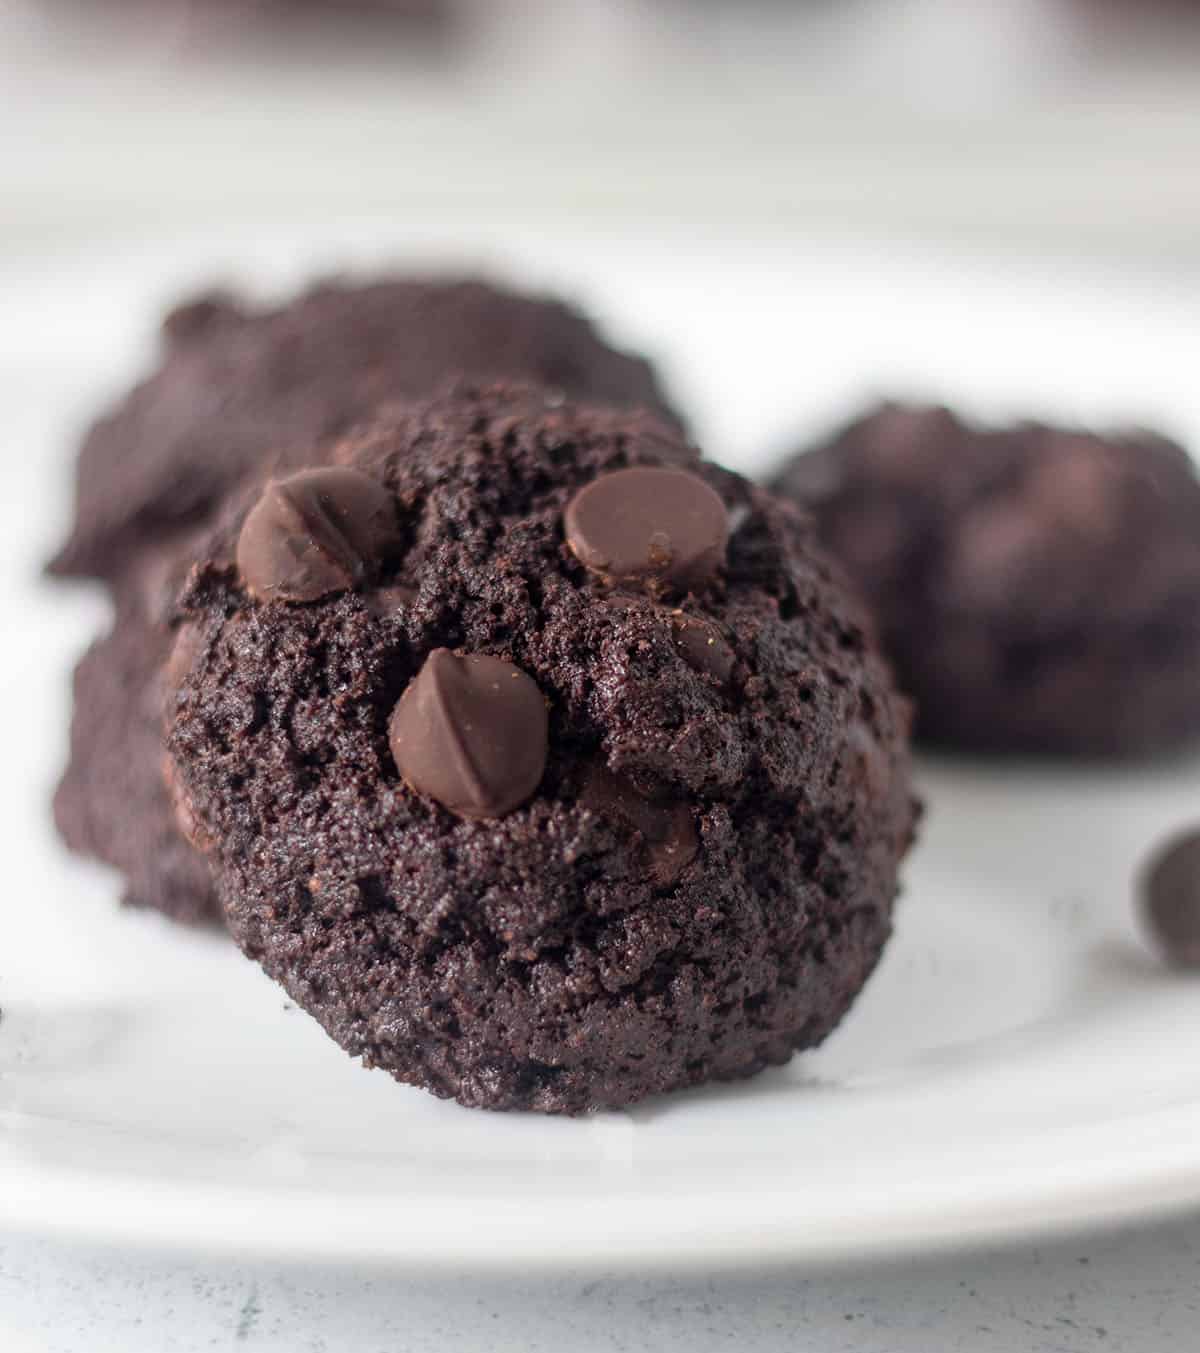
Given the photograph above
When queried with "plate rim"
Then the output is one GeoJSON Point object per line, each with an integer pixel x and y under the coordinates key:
{"type": "Point", "coordinates": [700, 1232]}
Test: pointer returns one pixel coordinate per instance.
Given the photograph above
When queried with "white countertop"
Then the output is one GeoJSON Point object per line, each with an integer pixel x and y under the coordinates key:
{"type": "Point", "coordinates": [1125, 1293]}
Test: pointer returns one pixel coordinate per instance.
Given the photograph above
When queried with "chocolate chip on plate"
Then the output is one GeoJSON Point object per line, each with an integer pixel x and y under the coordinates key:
{"type": "Point", "coordinates": [471, 732]}
{"type": "Point", "coordinates": [315, 533]}
{"type": "Point", "coordinates": [1170, 897]}
{"type": "Point", "coordinates": [648, 524]}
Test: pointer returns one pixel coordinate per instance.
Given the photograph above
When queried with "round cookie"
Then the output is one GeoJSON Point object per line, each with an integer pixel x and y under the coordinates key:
{"type": "Point", "coordinates": [682, 868]}
{"type": "Point", "coordinates": [238, 384]}
{"type": "Point", "coordinates": [238, 389]}
{"type": "Point", "coordinates": [1037, 588]}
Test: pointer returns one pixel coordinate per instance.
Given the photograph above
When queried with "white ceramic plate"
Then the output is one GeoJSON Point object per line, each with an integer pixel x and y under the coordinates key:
{"type": "Point", "coordinates": [1018, 1064]}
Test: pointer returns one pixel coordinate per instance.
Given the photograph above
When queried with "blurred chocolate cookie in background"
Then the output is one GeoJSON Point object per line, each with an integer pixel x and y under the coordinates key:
{"type": "Point", "coordinates": [1037, 588]}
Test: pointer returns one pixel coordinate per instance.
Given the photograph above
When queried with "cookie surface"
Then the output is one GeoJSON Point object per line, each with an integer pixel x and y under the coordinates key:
{"type": "Point", "coordinates": [238, 390]}
{"type": "Point", "coordinates": [1037, 588]}
{"type": "Point", "coordinates": [686, 874]}
{"type": "Point", "coordinates": [238, 384]}
{"type": "Point", "coordinates": [112, 802]}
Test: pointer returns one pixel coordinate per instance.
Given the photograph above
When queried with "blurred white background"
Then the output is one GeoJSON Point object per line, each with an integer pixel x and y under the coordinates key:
{"type": "Point", "coordinates": [1073, 124]}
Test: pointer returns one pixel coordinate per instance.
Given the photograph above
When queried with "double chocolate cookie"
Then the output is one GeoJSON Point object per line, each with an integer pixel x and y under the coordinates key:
{"type": "Point", "coordinates": [1037, 588]}
{"type": "Point", "coordinates": [240, 390]}
{"type": "Point", "coordinates": [545, 764]}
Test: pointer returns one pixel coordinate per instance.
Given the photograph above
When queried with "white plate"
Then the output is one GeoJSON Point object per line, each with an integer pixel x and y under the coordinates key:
{"type": "Point", "coordinates": [1018, 1064]}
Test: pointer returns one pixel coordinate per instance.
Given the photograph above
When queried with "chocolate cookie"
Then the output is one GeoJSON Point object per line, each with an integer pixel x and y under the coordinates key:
{"type": "Point", "coordinates": [238, 390]}
{"type": "Point", "coordinates": [584, 782]}
{"type": "Point", "coordinates": [1037, 588]}
{"type": "Point", "coordinates": [238, 384]}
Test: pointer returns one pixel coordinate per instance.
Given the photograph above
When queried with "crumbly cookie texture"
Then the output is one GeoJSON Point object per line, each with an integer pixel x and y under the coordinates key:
{"type": "Point", "coordinates": [527, 832]}
{"type": "Point", "coordinates": [1037, 588]}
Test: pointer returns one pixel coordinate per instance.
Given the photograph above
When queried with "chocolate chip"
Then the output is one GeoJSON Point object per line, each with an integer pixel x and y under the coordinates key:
{"type": "Point", "coordinates": [316, 532]}
{"type": "Point", "coordinates": [667, 826]}
{"type": "Point", "coordinates": [649, 524]}
{"type": "Point", "coordinates": [471, 733]}
{"type": "Point", "coordinates": [1170, 894]}
{"type": "Point", "coordinates": [702, 645]}
{"type": "Point", "coordinates": [200, 317]}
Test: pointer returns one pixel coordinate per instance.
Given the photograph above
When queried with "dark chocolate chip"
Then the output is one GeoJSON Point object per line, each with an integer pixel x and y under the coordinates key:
{"type": "Point", "coordinates": [317, 532]}
{"type": "Point", "coordinates": [200, 317]}
{"type": "Point", "coordinates": [471, 733]}
{"type": "Point", "coordinates": [1170, 890]}
{"type": "Point", "coordinates": [702, 645]}
{"type": "Point", "coordinates": [667, 826]}
{"type": "Point", "coordinates": [650, 525]}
